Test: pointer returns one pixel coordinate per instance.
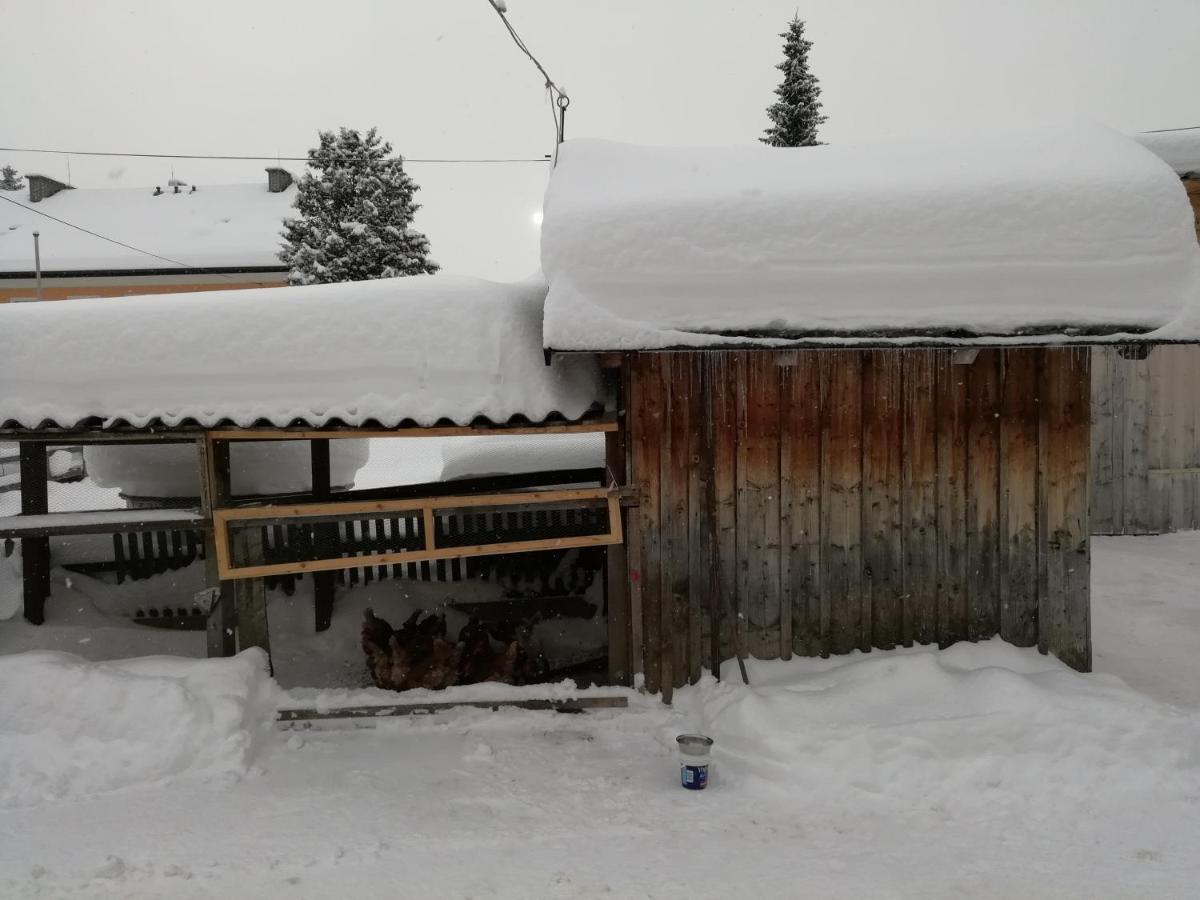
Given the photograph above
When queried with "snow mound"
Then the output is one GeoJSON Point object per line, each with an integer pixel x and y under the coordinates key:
{"type": "Point", "coordinates": [71, 728]}
{"type": "Point", "coordinates": [961, 731]}
{"type": "Point", "coordinates": [1075, 228]}
{"type": "Point", "coordinates": [424, 348]}
{"type": "Point", "coordinates": [1178, 149]}
{"type": "Point", "coordinates": [514, 455]}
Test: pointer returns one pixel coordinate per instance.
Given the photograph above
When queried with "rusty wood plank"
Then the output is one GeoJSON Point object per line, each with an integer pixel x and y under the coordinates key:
{"type": "Point", "coordinates": [722, 373]}
{"type": "Point", "coordinates": [841, 499]}
{"type": "Point", "coordinates": [1064, 612]}
{"type": "Point", "coordinates": [951, 398]}
{"type": "Point", "coordinates": [698, 478]}
{"type": "Point", "coordinates": [1020, 416]}
{"type": "Point", "coordinates": [919, 499]}
{"type": "Point", "coordinates": [882, 482]}
{"type": "Point", "coordinates": [983, 496]}
{"type": "Point", "coordinates": [800, 497]}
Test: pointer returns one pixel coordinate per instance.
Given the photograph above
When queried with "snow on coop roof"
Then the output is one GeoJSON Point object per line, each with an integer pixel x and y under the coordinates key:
{"type": "Point", "coordinates": [1178, 149]}
{"type": "Point", "coordinates": [219, 226]}
{"type": "Point", "coordinates": [1068, 232]}
{"type": "Point", "coordinates": [422, 350]}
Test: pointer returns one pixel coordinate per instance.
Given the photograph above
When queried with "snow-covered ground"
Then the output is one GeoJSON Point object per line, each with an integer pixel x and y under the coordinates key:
{"type": "Point", "coordinates": [982, 770]}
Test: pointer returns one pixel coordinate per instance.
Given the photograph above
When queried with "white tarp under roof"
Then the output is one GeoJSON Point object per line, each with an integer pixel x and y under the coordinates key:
{"type": "Point", "coordinates": [1078, 230]}
{"type": "Point", "coordinates": [425, 348]}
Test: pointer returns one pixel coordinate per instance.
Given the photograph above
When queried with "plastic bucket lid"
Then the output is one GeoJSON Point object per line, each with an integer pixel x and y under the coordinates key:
{"type": "Point", "coordinates": [694, 744]}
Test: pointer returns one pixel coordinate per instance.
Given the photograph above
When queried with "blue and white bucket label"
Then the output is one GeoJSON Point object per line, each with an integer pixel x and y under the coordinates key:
{"type": "Point", "coordinates": [694, 778]}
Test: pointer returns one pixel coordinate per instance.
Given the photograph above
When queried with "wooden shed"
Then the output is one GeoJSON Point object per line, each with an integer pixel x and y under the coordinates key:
{"type": "Point", "coordinates": [843, 431]}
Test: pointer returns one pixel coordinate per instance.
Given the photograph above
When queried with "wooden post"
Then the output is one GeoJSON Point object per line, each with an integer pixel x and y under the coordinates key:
{"type": "Point", "coordinates": [251, 594]}
{"type": "Point", "coordinates": [221, 640]}
{"type": "Point", "coordinates": [35, 551]}
{"type": "Point", "coordinates": [323, 535]}
{"type": "Point", "coordinates": [616, 572]}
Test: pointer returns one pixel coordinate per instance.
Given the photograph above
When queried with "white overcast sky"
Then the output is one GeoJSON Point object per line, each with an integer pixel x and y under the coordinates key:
{"type": "Point", "coordinates": [442, 78]}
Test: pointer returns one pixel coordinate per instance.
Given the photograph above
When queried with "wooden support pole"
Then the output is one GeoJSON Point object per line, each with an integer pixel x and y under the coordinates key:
{"type": "Point", "coordinates": [35, 551]}
{"type": "Point", "coordinates": [251, 594]}
{"type": "Point", "coordinates": [213, 459]}
{"type": "Point", "coordinates": [323, 535]}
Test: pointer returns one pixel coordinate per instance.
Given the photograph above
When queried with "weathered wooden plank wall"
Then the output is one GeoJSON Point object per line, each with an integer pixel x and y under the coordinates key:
{"type": "Point", "coordinates": [817, 502]}
{"type": "Point", "coordinates": [1145, 441]}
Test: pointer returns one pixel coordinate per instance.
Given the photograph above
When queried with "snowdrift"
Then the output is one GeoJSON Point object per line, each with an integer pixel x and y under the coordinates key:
{"type": "Point", "coordinates": [967, 730]}
{"type": "Point", "coordinates": [71, 728]}
{"type": "Point", "coordinates": [1074, 229]}
{"type": "Point", "coordinates": [425, 348]}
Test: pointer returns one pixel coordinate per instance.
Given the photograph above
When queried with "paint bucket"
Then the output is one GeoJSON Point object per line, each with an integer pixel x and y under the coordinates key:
{"type": "Point", "coordinates": [694, 751]}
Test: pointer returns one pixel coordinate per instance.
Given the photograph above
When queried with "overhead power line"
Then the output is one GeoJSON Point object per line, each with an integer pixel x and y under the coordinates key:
{"type": "Point", "coordinates": [267, 157]}
{"type": "Point", "coordinates": [1164, 130]}
{"type": "Point", "coordinates": [96, 234]}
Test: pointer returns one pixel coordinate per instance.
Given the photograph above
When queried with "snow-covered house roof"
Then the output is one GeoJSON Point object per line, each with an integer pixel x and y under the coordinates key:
{"type": "Point", "coordinates": [418, 350]}
{"type": "Point", "coordinates": [1178, 149]}
{"type": "Point", "coordinates": [1078, 231]}
{"type": "Point", "coordinates": [234, 226]}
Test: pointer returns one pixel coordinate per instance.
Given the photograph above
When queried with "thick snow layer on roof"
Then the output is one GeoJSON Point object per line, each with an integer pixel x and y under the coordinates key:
{"type": "Point", "coordinates": [652, 247]}
{"type": "Point", "coordinates": [219, 225]}
{"type": "Point", "coordinates": [1178, 149]}
{"type": "Point", "coordinates": [423, 348]}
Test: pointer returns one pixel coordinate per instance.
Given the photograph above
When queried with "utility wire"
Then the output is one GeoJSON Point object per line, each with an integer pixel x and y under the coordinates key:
{"type": "Point", "coordinates": [102, 237]}
{"type": "Point", "coordinates": [558, 97]}
{"type": "Point", "coordinates": [268, 157]}
{"type": "Point", "coordinates": [1164, 130]}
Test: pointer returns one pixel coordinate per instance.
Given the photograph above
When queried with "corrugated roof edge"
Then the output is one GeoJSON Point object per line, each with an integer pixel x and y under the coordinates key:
{"type": "Point", "coordinates": [595, 415]}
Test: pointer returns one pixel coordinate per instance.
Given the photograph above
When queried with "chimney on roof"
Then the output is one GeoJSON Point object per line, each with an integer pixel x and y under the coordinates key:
{"type": "Point", "coordinates": [42, 186]}
{"type": "Point", "coordinates": [278, 180]}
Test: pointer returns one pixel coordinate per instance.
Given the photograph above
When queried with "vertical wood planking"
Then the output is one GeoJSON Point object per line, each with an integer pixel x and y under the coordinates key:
{"type": "Point", "coordinates": [1135, 402]}
{"type": "Point", "coordinates": [698, 477]}
{"type": "Point", "coordinates": [951, 399]}
{"type": "Point", "coordinates": [616, 566]}
{"type": "Point", "coordinates": [841, 499]}
{"type": "Point", "coordinates": [1064, 626]}
{"type": "Point", "coordinates": [1104, 515]}
{"type": "Point", "coordinates": [760, 433]}
{"type": "Point", "coordinates": [647, 417]}
{"type": "Point", "coordinates": [983, 496]}
{"type": "Point", "coordinates": [633, 527]}
{"type": "Point", "coordinates": [787, 370]}
{"type": "Point", "coordinates": [800, 497]}
{"type": "Point", "coordinates": [919, 497]}
{"type": "Point", "coordinates": [882, 458]}
{"type": "Point", "coordinates": [722, 374]}
{"type": "Point", "coordinates": [747, 604]}
{"type": "Point", "coordinates": [1020, 416]}
{"type": "Point", "coordinates": [709, 524]}
{"type": "Point", "coordinates": [673, 509]}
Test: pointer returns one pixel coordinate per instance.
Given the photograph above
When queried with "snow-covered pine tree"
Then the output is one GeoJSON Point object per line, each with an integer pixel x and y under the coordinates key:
{"type": "Point", "coordinates": [796, 115]}
{"type": "Point", "coordinates": [355, 206]}
{"type": "Point", "coordinates": [10, 180]}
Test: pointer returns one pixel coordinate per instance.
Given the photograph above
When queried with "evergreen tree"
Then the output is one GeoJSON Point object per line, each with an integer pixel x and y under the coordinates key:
{"type": "Point", "coordinates": [355, 206]}
{"type": "Point", "coordinates": [9, 180]}
{"type": "Point", "coordinates": [796, 115]}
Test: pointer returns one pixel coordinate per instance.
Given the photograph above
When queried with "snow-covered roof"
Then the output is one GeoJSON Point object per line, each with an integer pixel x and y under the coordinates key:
{"type": "Point", "coordinates": [1072, 231]}
{"type": "Point", "coordinates": [1178, 149]}
{"type": "Point", "coordinates": [422, 349]}
{"type": "Point", "coordinates": [234, 226]}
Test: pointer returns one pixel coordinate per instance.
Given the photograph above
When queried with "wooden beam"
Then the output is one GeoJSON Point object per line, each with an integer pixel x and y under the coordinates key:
{"type": "Point", "coordinates": [577, 704]}
{"type": "Point", "coordinates": [35, 550]}
{"type": "Point", "coordinates": [215, 492]}
{"type": "Point", "coordinates": [322, 534]}
{"type": "Point", "coordinates": [120, 521]}
{"type": "Point", "coordinates": [251, 593]}
{"type": "Point", "coordinates": [346, 433]}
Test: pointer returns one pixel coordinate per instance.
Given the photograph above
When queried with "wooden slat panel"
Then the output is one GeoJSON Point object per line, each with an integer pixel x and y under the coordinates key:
{"type": "Point", "coordinates": [882, 477]}
{"type": "Point", "coordinates": [647, 418]}
{"type": "Point", "coordinates": [760, 430]}
{"type": "Point", "coordinates": [1142, 514]}
{"type": "Point", "coordinates": [698, 476]}
{"type": "Point", "coordinates": [747, 604]}
{"type": "Point", "coordinates": [800, 499]}
{"type": "Point", "coordinates": [952, 499]}
{"type": "Point", "coordinates": [722, 373]}
{"type": "Point", "coordinates": [919, 499]}
{"type": "Point", "coordinates": [1064, 617]}
{"type": "Point", "coordinates": [841, 499]}
{"type": "Point", "coordinates": [616, 569]}
{"type": "Point", "coordinates": [1020, 411]}
{"type": "Point", "coordinates": [1105, 514]}
{"type": "Point", "coordinates": [710, 535]}
{"type": "Point", "coordinates": [983, 496]}
{"type": "Point", "coordinates": [673, 510]}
